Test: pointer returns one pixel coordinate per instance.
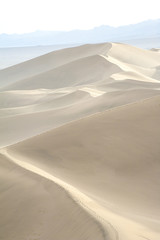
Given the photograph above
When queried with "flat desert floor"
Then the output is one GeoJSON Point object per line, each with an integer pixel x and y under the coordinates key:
{"type": "Point", "coordinates": [80, 145]}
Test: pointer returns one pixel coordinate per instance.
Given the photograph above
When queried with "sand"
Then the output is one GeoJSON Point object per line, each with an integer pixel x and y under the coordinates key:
{"type": "Point", "coordinates": [10, 56]}
{"type": "Point", "coordinates": [80, 144]}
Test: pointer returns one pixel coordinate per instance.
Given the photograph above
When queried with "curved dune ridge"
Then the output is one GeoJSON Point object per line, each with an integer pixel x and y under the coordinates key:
{"type": "Point", "coordinates": [79, 140]}
{"type": "Point", "coordinates": [65, 85]}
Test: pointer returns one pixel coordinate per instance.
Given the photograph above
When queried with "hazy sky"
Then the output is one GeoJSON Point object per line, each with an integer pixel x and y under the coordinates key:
{"type": "Point", "coordinates": [20, 16]}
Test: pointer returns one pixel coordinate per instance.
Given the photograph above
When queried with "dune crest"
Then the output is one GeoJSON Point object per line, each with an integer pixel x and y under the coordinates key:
{"type": "Point", "coordinates": [65, 85]}
{"type": "Point", "coordinates": [79, 140]}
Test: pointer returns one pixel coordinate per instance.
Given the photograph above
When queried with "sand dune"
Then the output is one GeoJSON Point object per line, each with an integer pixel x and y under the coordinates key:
{"type": "Point", "coordinates": [10, 56]}
{"type": "Point", "coordinates": [82, 71]}
{"type": "Point", "coordinates": [47, 62]}
{"type": "Point", "coordinates": [101, 152]}
{"type": "Point", "coordinates": [128, 54]}
{"type": "Point", "coordinates": [79, 138]}
{"type": "Point", "coordinates": [66, 92]}
{"type": "Point", "coordinates": [62, 62]}
{"type": "Point", "coordinates": [17, 124]}
{"type": "Point", "coordinates": [55, 215]}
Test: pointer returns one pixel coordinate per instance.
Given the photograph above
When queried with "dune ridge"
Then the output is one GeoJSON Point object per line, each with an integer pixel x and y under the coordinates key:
{"type": "Point", "coordinates": [52, 60]}
{"type": "Point", "coordinates": [57, 190]}
{"type": "Point", "coordinates": [80, 199]}
{"type": "Point", "coordinates": [34, 161]}
{"type": "Point", "coordinates": [79, 145]}
{"type": "Point", "coordinates": [66, 85]}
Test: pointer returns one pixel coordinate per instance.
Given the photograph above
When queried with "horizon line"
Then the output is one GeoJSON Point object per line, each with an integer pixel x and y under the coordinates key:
{"type": "Point", "coordinates": [103, 25]}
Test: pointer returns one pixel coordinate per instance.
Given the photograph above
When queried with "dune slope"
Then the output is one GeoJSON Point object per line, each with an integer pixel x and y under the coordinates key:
{"type": "Point", "coordinates": [47, 62]}
{"type": "Point", "coordinates": [110, 157]}
{"type": "Point", "coordinates": [79, 145]}
{"type": "Point", "coordinates": [65, 85]}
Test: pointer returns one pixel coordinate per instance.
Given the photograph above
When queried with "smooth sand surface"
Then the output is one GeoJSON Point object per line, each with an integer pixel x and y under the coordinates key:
{"type": "Point", "coordinates": [48, 62]}
{"type": "Point", "coordinates": [10, 56]}
{"type": "Point", "coordinates": [79, 138]}
{"type": "Point", "coordinates": [65, 85]}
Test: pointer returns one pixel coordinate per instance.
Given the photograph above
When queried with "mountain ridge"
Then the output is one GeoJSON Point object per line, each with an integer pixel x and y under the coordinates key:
{"type": "Point", "coordinates": [147, 29]}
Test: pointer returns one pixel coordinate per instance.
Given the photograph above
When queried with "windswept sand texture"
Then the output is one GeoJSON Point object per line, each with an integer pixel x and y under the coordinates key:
{"type": "Point", "coordinates": [80, 137]}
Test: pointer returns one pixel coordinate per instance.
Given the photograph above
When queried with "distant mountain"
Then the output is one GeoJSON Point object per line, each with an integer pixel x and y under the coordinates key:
{"type": "Point", "coordinates": [130, 33]}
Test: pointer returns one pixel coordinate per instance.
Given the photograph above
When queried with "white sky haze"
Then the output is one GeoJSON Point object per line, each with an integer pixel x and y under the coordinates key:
{"type": "Point", "coordinates": [22, 16]}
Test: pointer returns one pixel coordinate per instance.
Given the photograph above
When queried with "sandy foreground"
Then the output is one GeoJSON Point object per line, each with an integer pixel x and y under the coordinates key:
{"type": "Point", "coordinates": [79, 138]}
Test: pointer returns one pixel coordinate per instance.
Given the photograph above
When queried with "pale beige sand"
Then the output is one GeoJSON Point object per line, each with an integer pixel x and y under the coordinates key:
{"type": "Point", "coordinates": [34, 206]}
{"type": "Point", "coordinates": [87, 70]}
{"type": "Point", "coordinates": [48, 62]}
{"type": "Point", "coordinates": [17, 124]}
{"type": "Point", "coordinates": [69, 84]}
{"type": "Point", "coordinates": [111, 157]}
{"type": "Point", "coordinates": [10, 56]}
{"type": "Point", "coordinates": [79, 138]}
